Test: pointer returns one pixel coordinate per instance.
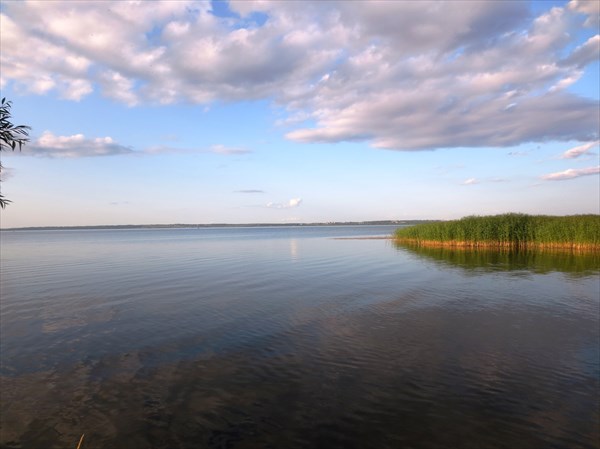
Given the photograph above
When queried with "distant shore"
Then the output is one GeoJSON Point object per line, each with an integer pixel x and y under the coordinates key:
{"type": "Point", "coordinates": [223, 225]}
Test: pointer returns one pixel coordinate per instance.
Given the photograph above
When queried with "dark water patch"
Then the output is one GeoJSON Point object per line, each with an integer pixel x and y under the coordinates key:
{"type": "Point", "coordinates": [420, 379]}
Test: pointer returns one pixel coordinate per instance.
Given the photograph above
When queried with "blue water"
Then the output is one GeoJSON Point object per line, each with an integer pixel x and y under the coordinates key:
{"type": "Point", "coordinates": [292, 337]}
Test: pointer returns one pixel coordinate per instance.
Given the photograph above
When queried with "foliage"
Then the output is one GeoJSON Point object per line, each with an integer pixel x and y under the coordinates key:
{"type": "Point", "coordinates": [509, 230]}
{"type": "Point", "coordinates": [11, 136]}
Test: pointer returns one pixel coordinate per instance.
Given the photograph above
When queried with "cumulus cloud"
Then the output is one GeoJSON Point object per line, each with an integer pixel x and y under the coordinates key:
{"type": "Point", "coordinates": [75, 146]}
{"type": "Point", "coordinates": [579, 150]}
{"type": "Point", "coordinates": [399, 75]}
{"type": "Point", "coordinates": [571, 173]}
{"type": "Point", "coordinates": [294, 202]}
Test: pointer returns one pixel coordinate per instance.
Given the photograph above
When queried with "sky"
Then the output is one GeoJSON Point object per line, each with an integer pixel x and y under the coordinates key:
{"type": "Point", "coordinates": [313, 111]}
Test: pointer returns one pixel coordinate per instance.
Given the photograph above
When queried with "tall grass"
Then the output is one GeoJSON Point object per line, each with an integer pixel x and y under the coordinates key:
{"type": "Point", "coordinates": [508, 230]}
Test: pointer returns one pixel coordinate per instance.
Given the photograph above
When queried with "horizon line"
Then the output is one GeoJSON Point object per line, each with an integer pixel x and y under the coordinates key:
{"type": "Point", "coordinates": [214, 225]}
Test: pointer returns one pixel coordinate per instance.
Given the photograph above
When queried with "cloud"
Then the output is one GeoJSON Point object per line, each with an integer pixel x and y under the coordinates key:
{"type": "Point", "coordinates": [518, 153]}
{"type": "Point", "coordinates": [396, 120]}
{"type": "Point", "coordinates": [571, 173]}
{"type": "Point", "coordinates": [75, 146]}
{"type": "Point", "coordinates": [118, 87]}
{"type": "Point", "coordinates": [589, 7]}
{"type": "Point", "coordinates": [294, 202]}
{"type": "Point", "coordinates": [584, 54]}
{"type": "Point", "coordinates": [249, 191]}
{"type": "Point", "coordinates": [216, 149]}
{"type": "Point", "coordinates": [229, 151]}
{"type": "Point", "coordinates": [398, 75]}
{"type": "Point", "coordinates": [566, 82]}
{"type": "Point", "coordinates": [473, 181]}
{"type": "Point", "coordinates": [78, 146]}
{"type": "Point", "coordinates": [166, 149]}
{"type": "Point", "coordinates": [579, 150]}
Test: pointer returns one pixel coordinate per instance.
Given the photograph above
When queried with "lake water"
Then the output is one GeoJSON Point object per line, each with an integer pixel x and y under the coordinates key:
{"type": "Point", "coordinates": [291, 337]}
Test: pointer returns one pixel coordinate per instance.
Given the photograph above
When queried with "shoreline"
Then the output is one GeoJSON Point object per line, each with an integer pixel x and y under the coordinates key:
{"type": "Point", "coordinates": [524, 246]}
{"type": "Point", "coordinates": [364, 238]}
{"type": "Point", "coordinates": [220, 225]}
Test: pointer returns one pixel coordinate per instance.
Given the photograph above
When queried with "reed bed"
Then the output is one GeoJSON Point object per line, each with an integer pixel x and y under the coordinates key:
{"type": "Point", "coordinates": [575, 232]}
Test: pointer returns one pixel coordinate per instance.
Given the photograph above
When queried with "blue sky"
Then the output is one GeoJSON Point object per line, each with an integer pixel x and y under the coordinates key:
{"type": "Point", "coordinates": [254, 111]}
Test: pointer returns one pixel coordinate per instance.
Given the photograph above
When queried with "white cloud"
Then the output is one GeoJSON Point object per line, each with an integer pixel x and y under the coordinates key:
{"type": "Point", "coordinates": [50, 66]}
{"type": "Point", "coordinates": [75, 146]}
{"type": "Point", "coordinates": [216, 149]}
{"type": "Point", "coordinates": [76, 89]}
{"type": "Point", "coordinates": [399, 75]}
{"type": "Point", "coordinates": [78, 146]}
{"type": "Point", "coordinates": [294, 202]}
{"type": "Point", "coordinates": [229, 151]}
{"type": "Point", "coordinates": [579, 150]}
{"type": "Point", "coordinates": [473, 181]}
{"type": "Point", "coordinates": [571, 173]}
{"type": "Point", "coordinates": [165, 149]}
{"type": "Point", "coordinates": [117, 86]}
{"type": "Point", "coordinates": [584, 54]}
{"type": "Point", "coordinates": [588, 7]}
{"type": "Point", "coordinates": [566, 82]}
{"type": "Point", "coordinates": [518, 153]}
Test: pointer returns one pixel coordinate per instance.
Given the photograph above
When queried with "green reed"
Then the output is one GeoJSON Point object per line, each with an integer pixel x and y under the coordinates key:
{"type": "Point", "coordinates": [509, 230]}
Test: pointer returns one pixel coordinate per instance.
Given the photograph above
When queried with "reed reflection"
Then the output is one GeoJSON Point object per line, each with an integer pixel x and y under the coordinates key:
{"type": "Point", "coordinates": [578, 264]}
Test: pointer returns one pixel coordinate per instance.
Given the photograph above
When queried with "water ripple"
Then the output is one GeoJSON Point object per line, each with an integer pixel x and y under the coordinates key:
{"type": "Point", "coordinates": [184, 339]}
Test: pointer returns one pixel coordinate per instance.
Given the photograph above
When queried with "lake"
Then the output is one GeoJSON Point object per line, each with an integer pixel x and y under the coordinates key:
{"type": "Point", "coordinates": [293, 337]}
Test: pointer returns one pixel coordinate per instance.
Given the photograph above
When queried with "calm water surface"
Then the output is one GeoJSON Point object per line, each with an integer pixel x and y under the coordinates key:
{"type": "Point", "coordinates": [292, 338]}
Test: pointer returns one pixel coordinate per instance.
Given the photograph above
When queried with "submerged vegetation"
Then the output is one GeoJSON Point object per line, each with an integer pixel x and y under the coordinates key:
{"type": "Point", "coordinates": [577, 232]}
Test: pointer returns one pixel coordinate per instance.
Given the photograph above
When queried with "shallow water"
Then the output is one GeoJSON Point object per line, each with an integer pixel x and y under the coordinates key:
{"type": "Point", "coordinates": [289, 337]}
